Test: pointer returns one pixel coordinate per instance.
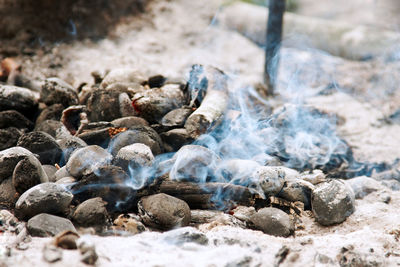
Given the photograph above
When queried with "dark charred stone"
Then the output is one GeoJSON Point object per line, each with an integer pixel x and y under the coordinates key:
{"type": "Point", "coordinates": [12, 118]}
{"type": "Point", "coordinates": [9, 137]}
{"type": "Point", "coordinates": [273, 221]}
{"type": "Point", "coordinates": [134, 156]}
{"type": "Point", "coordinates": [57, 91]}
{"type": "Point", "coordinates": [108, 183]}
{"type": "Point", "coordinates": [164, 212]}
{"type": "Point", "coordinates": [332, 202]}
{"type": "Point", "coordinates": [139, 134]}
{"type": "Point", "coordinates": [43, 198]}
{"type": "Point", "coordinates": [17, 98]}
{"type": "Point", "coordinates": [50, 171]}
{"type": "Point", "coordinates": [86, 160]}
{"type": "Point", "coordinates": [176, 117]}
{"type": "Point", "coordinates": [28, 173]}
{"type": "Point", "coordinates": [53, 128]}
{"type": "Point", "coordinates": [8, 195]}
{"type": "Point", "coordinates": [104, 105]}
{"type": "Point", "coordinates": [186, 235]}
{"type": "Point", "coordinates": [130, 122]}
{"type": "Point", "coordinates": [297, 190]}
{"type": "Point", "coordinates": [69, 145]}
{"type": "Point", "coordinates": [52, 112]}
{"type": "Point", "coordinates": [74, 117]}
{"type": "Point", "coordinates": [47, 225]}
{"type": "Point", "coordinates": [9, 159]}
{"type": "Point", "coordinates": [43, 144]}
{"type": "Point", "coordinates": [156, 81]}
{"type": "Point", "coordinates": [99, 137]}
{"type": "Point", "coordinates": [91, 212]}
{"type": "Point", "coordinates": [176, 138]}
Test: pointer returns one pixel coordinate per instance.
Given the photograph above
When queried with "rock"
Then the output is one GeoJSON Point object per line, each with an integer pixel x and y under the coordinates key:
{"type": "Point", "coordinates": [51, 253]}
{"type": "Point", "coordinates": [17, 98]}
{"type": "Point", "coordinates": [100, 137]}
{"type": "Point", "coordinates": [237, 171]}
{"type": "Point", "coordinates": [43, 144]}
{"type": "Point", "coordinates": [185, 235]}
{"type": "Point", "coordinates": [243, 213]}
{"type": "Point", "coordinates": [90, 257]}
{"type": "Point", "coordinates": [134, 156]}
{"type": "Point", "coordinates": [273, 221]}
{"type": "Point", "coordinates": [129, 223]}
{"type": "Point", "coordinates": [61, 173]}
{"type": "Point", "coordinates": [74, 118]}
{"type": "Point", "coordinates": [66, 239]}
{"type": "Point", "coordinates": [208, 219]}
{"type": "Point", "coordinates": [156, 81]}
{"type": "Point", "coordinates": [269, 179]}
{"type": "Point", "coordinates": [87, 159]}
{"type": "Point", "coordinates": [176, 117]}
{"type": "Point", "coordinates": [28, 173]}
{"type": "Point", "coordinates": [43, 198]}
{"type": "Point", "coordinates": [66, 180]}
{"type": "Point", "coordinates": [297, 190]}
{"type": "Point", "coordinates": [46, 225]}
{"type": "Point", "coordinates": [56, 91]}
{"type": "Point", "coordinates": [124, 76]}
{"type": "Point", "coordinates": [12, 118]}
{"type": "Point", "coordinates": [164, 212]}
{"type": "Point", "coordinates": [8, 194]}
{"type": "Point", "coordinates": [363, 186]}
{"type": "Point", "coordinates": [52, 112]}
{"type": "Point", "coordinates": [53, 128]}
{"type": "Point", "coordinates": [87, 250]}
{"type": "Point", "coordinates": [332, 202]}
{"type": "Point", "coordinates": [129, 122]}
{"type": "Point", "coordinates": [91, 212]}
{"type": "Point", "coordinates": [50, 171]}
{"type": "Point", "coordinates": [193, 163]}
{"type": "Point", "coordinates": [153, 104]}
{"type": "Point", "coordinates": [140, 134]}
{"type": "Point", "coordinates": [176, 138]}
{"type": "Point", "coordinates": [69, 145]}
{"type": "Point", "coordinates": [9, 159]}
{"type": "Point", "coordinates": [9, 137]}
{"type": "Point", "coordinates": [104, 105]}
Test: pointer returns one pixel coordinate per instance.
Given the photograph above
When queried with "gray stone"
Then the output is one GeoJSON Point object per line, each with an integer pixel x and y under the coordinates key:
{"type": "Point", "coordinates": [140, 134]}
{"type": "Point", "coordinates": [66, 180]}
{"type": "Point", "coordinates": [176, 117]}
{"type": "Point", "coordinates": [332, 202]}
{"type": "Point", "coordinates": [99, 137]}
{"type": "Point", "coordinates": [91, 212]}
{"type": "Point", "coordinates": [273, 221]}
{"type": "Point", "coordinates": [17, 98]}
{"type": "Point", "coordinates": [9, 137]}
{"type": "Point", "coordinates": [269, 180]}
{"type": "Point", "coordinates": [176, 138]}
{"type": "Point", "coordinates": [164, 212]}
{"type": "Point", "coordinates": [28, 173]}
{"type": "Point", "coordinates": [124, 76]}
{"type": "Point", "coordinates": [12, 118]}
{"type": "Point", "coordinates": [61, 173]}
{"type": "Point", "coordinates": [52, 253]}
{"type": "Point", "coordinates": [104, 105]}
{"type": "Point", "coordinates": [87, 159]}
{"type": "Point", "coordinates": [50, 171]}
{"type": "Point", "coordinates": [363, 186]}
{"type": "Point", "coordinates": [69, 145]}
{"type": "Point", "coordinates": [8, 195]}
{"type": "Point", "coordinates": [297, 190]}
{"type": "Point", "coordinates": [215, 217]}
{"type": "Point", "coordinates": [43, 198]}
{"type": "Point", "coordinates": [185, 235]}
{"type": "Point", "coordinates": [52, 112]}
{"type": "Point", "coordinates": [237, 171]}
{"type": "Point", "coordinates": [53, 128]}
{"type": "Point", "coordinates": [130, 121]}
{"type": "Point", "coordinates": [134, 156]}
{"type": "Point", "coordinates": [43, 144]}
{"type": "Point", "coordinates": [56, 91]}
{"type": "Point", "coordinates": [45, 225]}
{"type": "Point", "coordinates": [9, 159]}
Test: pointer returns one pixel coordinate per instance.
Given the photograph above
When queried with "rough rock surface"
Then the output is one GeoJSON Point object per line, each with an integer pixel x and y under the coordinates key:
{"type": "Point", "coordinates": [17, 98]}
{"type": "Point", "coordinates": [91, 212]}
{"type": "Point", "coordinates": [44, 225]}
{"type": "Point", "coordinates": [57, 91]}
{"type": "Point", "coordinates": [332, 202]}
{"type": "Point", "coordinates": [12, 118]}
{"type": "Point", "coordinates": [273, 221]}
{"type": "Point", "coordinates": [9, 137]}
{"type": "Point", "coordinates": [164, 212]}
{"type": "Point", "coordinates": [134, 156]}
{"type": "Point", "coordinates": [9, 159]}
{"type": "Point", "coordinates": [8, 195]}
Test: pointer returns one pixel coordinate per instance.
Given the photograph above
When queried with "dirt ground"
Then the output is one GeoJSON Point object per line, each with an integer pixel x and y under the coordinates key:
{"type": "Point", "coordinates": [175, 34]}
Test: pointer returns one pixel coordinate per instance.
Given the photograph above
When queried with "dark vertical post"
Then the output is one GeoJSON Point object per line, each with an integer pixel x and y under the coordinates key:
{"type": "Point", "coordinates": [273, 42]}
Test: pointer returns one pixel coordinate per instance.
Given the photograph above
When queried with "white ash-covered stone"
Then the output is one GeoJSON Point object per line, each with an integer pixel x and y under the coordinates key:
{"type": "Point", "coordinates": [50, 171]}
{"type": "Point", "coordinates": [52, 253]}
{"type": "Point", "coordinates": [363, 186]}
{"type": "Point", "coordinates": [66, 180]}
{"type": "Point", "coordinates": [43, 198]}
{"type": "Point", "coordinates": [12, 118]}
{"type": "Point", "coordinates": [9, 137]}
{"type": "Point", "coordinates": [134, 156]}
{"type": "Point", "coordinates": [9, 159]}
{"type": "Point", "coordinates": [273, 221]}
{"type": "Point", "coordinates": [91, 212]}
{"type": "Point", "coordinates": [207, 219]}
{"type": "Point", "coordinates": [87, 159]}
{"type": "Point", "coordinates": [243, 213]}
{"type": "Point", "coordinates": [129, 223]}
{"type": "Point", "coordinates": [314, 177]}
{"type": "Point", "coordinates": [332, 202]}
{"type": "Point", "coordinates": [57, 91]}
{"type": "Point", "coordinates": [43, 144]}
{"type": "Point", "coordinates": [176, 117]}
{"type": "Point", "coordinates": [8, 194]}
{"type": "Point", "coordinates": [129, 122]}
{"type": "Point", "coordinates": [52, 112]}
{"type": "Point", "coordinates": [193, 163]}
{"type": "Point", "coordinates": [185, 235]}
{"type": "Point", "coordinates": [123, 76]}
{"type": "Point", "coordinates": [176, 138]}
{"type": "Point", "coordinates": [154, 103]}
{"type": "Point", "coordinates": [45, 225]}
{"type": "Point", "coordinates": [164, 212]}
{"type": "Point", "coordinates": [61, 173]}
{"type": "Point", "coordinates": [270, 180]}
{"type": "Point", "coordinates": [53, 128]}
{"type": "Point", "coordinates": [138, 134]}
{"type": "Point", "coordinates": [69, 145]}
{"type": "Point", "coordinates": [237, 171]}
{"type": "Point", "coordinates": [28, 173]}
{"type": "Point", "coordinates": [17, 98]}
{"type": "Point", "coordinates": [297, 190]}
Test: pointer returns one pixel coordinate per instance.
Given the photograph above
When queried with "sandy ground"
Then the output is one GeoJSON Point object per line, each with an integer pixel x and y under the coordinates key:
{"type": "Point", "coordinates": [168, 40]}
